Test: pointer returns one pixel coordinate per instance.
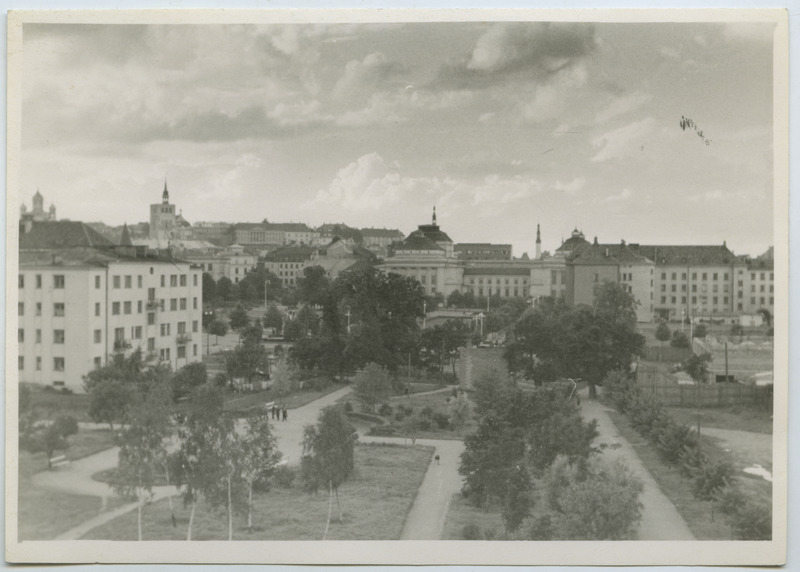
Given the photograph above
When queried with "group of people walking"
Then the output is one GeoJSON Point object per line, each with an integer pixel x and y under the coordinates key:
{"type": "Point", "coordinates": [279, 413]}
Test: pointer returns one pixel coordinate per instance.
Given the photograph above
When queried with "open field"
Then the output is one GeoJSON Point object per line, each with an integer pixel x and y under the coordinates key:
{"type": "Point", "coordinates": [740, 418]}
{"type": "Point", "coordinates": [374, 504]}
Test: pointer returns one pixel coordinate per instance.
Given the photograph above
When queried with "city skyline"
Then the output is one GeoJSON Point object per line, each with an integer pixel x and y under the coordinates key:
{"type": "Point", "coordinates": [499, 125]}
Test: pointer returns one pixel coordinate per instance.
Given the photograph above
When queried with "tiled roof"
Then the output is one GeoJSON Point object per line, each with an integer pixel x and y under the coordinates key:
{"type": "Point", "coordinates": [686, 255]}
{"type": "Point", "coordinates": [498, 271]}
{"type": "Point", "coordinates": [290, 254]}
{"type": "Point", "coordinates": [417, 241]}
{"type": "Point", "coordinates": [602, 254]}
{"type": "Point", "coordinates": [572, 243]}
{"type": "Point", "coordinates": [87, 256]}
{"type": "Point", "coordinates": [61, 234]}
{"type": "Point", "coordinates": [432, 231]}
{"type": "Point", "coordinates": [382, 232]}
{"type": "Point", "coordinates": [760, 264]}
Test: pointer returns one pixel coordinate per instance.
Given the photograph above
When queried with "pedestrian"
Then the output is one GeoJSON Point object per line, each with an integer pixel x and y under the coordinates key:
{"type": "Point", "coordinates": [284, 413]}
{"type": "Point", "coordinates": [274, 411]}
{"type": "Point", "coordinates": [437, 458]}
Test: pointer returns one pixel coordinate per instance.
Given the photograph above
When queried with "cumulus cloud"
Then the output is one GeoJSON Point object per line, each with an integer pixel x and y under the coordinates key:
{"type": "Point", "coordinates": [551, 100]}
{"type": "Point", "coordinates": [292, 114]}
{"type": "Point", "coordinates": [669, 52]}
{"type": "Point", "coordinates": [620, 143]}
{"type": "Point", "coordinates": [623, 105]}
{"type": "Point", "coordinates": [364, 75]}
{"type": "Point", "coordinates": [623, 195]}
{"type": "Point", "coordinates": [570, 187]}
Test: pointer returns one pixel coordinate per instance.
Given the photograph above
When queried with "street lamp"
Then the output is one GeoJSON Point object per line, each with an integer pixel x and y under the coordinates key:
{"type": "Point", "coordinates": [424, 312]}
{"type": "Point", "coordinates": [348, 319]}
{"type": "Point", "coordinates": [265, 296]}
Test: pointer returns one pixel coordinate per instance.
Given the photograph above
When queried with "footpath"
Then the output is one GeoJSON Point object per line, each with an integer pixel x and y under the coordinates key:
{"type": "Point", "coordinates": [660, 519]}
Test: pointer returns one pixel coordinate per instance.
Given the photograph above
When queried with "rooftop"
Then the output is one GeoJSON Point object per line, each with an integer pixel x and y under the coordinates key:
{"type": "Point", "coordinates": [60, 234]}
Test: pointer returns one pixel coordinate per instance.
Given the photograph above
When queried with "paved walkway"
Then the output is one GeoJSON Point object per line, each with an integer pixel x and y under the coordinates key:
{"type": "Point", "coordinates": [660, 519]}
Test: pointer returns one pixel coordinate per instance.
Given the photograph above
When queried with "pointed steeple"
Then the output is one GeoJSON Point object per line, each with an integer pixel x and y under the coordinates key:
{"type": "Point", "coordinates": [434, 214]}
{"type": "Point", "coordinates": [538, 241]}
{"type": "Point", "coordinates": [165, 194]}
{"type": "Point", "coordinates": [126, 237]}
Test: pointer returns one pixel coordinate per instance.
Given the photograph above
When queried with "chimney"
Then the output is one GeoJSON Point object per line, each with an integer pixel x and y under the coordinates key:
{"type": "Point", "coordinates": [606, 252]}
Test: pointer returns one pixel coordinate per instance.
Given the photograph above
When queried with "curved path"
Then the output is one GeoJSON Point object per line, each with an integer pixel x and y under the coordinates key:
{"type": "Point", "coordinates": [660, 519]}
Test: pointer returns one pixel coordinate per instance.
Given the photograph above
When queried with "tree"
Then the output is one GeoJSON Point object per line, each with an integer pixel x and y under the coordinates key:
{"type": "Point", "coordinates": [372, 386]}
{"type": "Point", "coordinates": [328, 455]}
{"type": "Point", "coordinates": [273, 318]}
{"type": "Point", "coordinates": [516, 501]}
{"type": "Point", "coordinates": [460, 411]}
{"type": "Point", "coordinates": [679, 340]}
{"type": "Point", "coordinates": [217, 329]}
{"type": "Point", "coordinates": [209, 289]}
{"type": "Point", "coordinates": [239, 319]}
{"type": "Point", "coordinates": [662, 332]}
{"type": "Point", "coordinates": [142, 450]}
{"type": "Point", "coordinates": [313, 285]}
{"type": "Point", "coordinates": [112, 387]}
{"type": "Point", "coordinates": [597, 502]}
{"type": "Point", "coordinates": [224, 288]}
{"type": "Point", "coordinates": [697, 366]}
{"type": "Point", "coordinates": [186, 379]}
{"type": "Point", "coordinates": [700, 331]}
{"type": "Point", "coordinates": [248, 360]}
{"type": "Point", "coordinates": [710, 481]}
{"type": "Point", "coordinates": [259, 457]}
{"type": "Point", "coordinates": [455, 299]}
{"type": "Point", "coordinates": [51, 437]}
{"type": "Point", "coordinates": [285, 376]}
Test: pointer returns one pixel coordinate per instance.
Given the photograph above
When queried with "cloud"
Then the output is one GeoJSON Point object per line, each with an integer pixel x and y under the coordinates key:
{"type": "Point", "coordinates": [620, 143]}
{"type": "Point", "coordinates": [380, 109]}
{"type": "Point", "coordinates": [361, 76]}
{"type": "Point", "coordinates": [623, 105]}
{"type": "Point", "coordinates": [552, 99]}
{"type": "Point", "coordinates": [623, 195]}
{"type": "Point", "coordinates": [532, 50]}
{"type": "Point", "coordinates": [761, 32]}
{"type": "Point", "coordinates": [293, 114]}
{"type": "Point", "coordinates": [669, 52]}
{"type": "Point", "coordinates": [572, 186]}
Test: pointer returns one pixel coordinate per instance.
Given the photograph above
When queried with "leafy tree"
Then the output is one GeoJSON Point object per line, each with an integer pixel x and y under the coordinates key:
{"type": "Point", "coordinates": [597, 502]}
{"type": "Point", "coordinates": [455, 299]}
{"type": "Point", "coordinates": [253, 333]}
{"type": "Point", "coordinates": [372, 386]}
{"type": "Point", "coordinates": [313, 285]}
{"type": "Point", "coordinates": [273, 318]}
{"type": "Point", "coordinates": [142, 450]}
{"type": "Point", "coordinates": [248, 360]}
{"type": "Point", "coordinates": [225, 288]}
{"type": "Point", "coordinates": [186, 379]}
{"type": "Point", "coordinates": [460, 411]}
{"type": "Point", "coordinates": [700, 331]}
{"type": "Point", "coordinates": [517, 501]}
{"type": "Point", "coordinates": [51, 437]}
{"type": "Point", "coordinates": [697, 366]}
{"type": "Point", "coordinates": [710, 481]}
{"type": "Point", "coordinates": [679, 340]}
{"type": "Point", "coordinates": [260, 456]}
{"type": "Point", "coordinates": [662, 332]}
{"type": "Point", "coordinates": [217, 329]}
{"type": "Point", "coordinates": [111, 388]}
{"type": "Point", "coordinates": [441, 343]}
{"type": "Point", "coordinates": [239, 319]}
{"type": "Point", "coordinates": [328, 455]}
{"type": "Point", "coordinates": [285, 376]}
{"type": "Point", "coordinates": [209, 289]}
{"type": "Point", "coordinates": [292, 330]}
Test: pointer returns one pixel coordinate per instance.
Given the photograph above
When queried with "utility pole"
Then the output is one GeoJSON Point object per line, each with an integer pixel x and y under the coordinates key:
{"type": "Point", "coordinates": [265, 296]}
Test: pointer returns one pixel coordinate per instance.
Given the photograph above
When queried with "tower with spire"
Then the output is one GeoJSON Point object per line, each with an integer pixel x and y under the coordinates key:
{"type": "Point", "coordinates": [538, 242]}
{"type": "Point", "coordinates": [163, 220]}
{"type": "Point", "coordinates": [37, 212]}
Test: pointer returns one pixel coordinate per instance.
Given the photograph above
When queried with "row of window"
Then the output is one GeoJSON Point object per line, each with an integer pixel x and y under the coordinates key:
{"type": "Point", "coordinates": [715, 300]}
{"type": "Point", "coordinates": [126, 307]}
{"type": "Point", "coordinates": [715, 276]}
{"type": "Point", "coordinates": [58, 309]}
{"type": "Point", "coordinates": [119, 333]}
{"type": "Point", "coordinates": [507, 292]}
{"type": "Point", "coordinates": [58, 363]}
{"type": "Point", "coordinates": [58, 336]}
{"type": "Point", "coordinates": [498, 281]}
{"type": "Point", "coordinates": [58, 281]}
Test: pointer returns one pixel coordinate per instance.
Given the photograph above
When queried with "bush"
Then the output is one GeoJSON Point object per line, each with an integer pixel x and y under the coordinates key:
{"type": "Point", "coordinates": [348, 406]}
{"type": "Point", "coordinates": [407, 409]}
{"type": "Point", "coordinates": [399, 415]}
{"type": "Point", "coordinates": [679, 340]}
{"type": "Point", "coordinates": [285, 476]}
{"type": "Point", "coordinates": [700, 331]}
{"type": "Point", "coordinates": [441, 419]}
{"type": "Point", "coordinates": [424, 423]}
{"type": "Point", "coordinates": [674, 441]}
{"type": "Point", "coordinates": [619, 387]}
{"type": "Point", "coordinates": [753, 522]}
{"type": "Point", "coordinates": [471, 531]}
{"type": "Point", "coordinates": [220, 380]}
{"type": "Point", "coordinates": [385, 410]}
{"type": "Point", "coordinates": [427, 412]}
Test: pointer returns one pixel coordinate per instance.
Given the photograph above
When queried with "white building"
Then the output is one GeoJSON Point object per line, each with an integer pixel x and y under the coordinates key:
{"type": "Point", "coordinates": [81, 304]}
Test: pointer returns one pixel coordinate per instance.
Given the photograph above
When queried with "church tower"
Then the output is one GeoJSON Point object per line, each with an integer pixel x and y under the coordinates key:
{"type": "Point", "coordinates": [162, 220]}
{"type": "Point", "coordinates": [538, 242]}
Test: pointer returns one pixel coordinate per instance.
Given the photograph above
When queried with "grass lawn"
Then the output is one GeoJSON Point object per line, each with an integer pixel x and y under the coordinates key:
{"type": "Point", "coordinates": [51, 404]}
{"type": "Point", "coordinates": [738, 418]}
{"type": "Point", "coordinates": [461, 513]}
{"type": "Point", "coordinates": [44, 514]}
{"type": "Point", "coordinates": [375, 502]}
{"type": "Point", "coordinates": [255, 400]}
{"type": "Point", "coordinates": [678, 489]}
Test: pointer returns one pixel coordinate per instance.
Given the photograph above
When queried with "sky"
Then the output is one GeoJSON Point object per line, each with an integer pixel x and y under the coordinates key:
{"type": "Point", "coordinates": [500, 125]}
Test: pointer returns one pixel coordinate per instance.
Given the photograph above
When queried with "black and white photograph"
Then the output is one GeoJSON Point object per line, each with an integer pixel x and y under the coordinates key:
{"type": "Point", "coordinates": [289, 281]}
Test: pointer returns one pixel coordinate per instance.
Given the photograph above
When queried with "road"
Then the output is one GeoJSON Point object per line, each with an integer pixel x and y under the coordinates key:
{"type": "Point", "coordinates": [660, 519]}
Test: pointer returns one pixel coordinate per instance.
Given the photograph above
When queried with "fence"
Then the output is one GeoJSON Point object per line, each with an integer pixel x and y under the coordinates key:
{"type": "Point", "coordinates": [666, 353]}
{"type": "Point", "coordinates": [711, 395]}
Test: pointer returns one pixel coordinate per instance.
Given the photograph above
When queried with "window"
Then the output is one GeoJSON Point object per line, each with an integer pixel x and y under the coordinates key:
{"type": "Point", "coordinates": [771, 288]}
{"type": "Point", "coordinates": [136, 333]}
{"type": "Point", "coordinates": [663, 275]}
{"type": "Point", "coordinates": [683, 299]}
{"type": "Point", "coordinates": [596, 277]}
{"type": "Point", "coordinates": [38, 363]}
{"type": "Point", "coordinates": [58, 336]}
{"type": "Point", "coordinates": [753, 300]}
{"type": "Point", "coordinates": [58, 364]}
{"type": "Point", "coordinates": [725, 300]}
{"type": "Point", "coordinates": [761, 288]}
{"type": "Point", "coordinates": [151, 344]}
{"type": "Point", "coordinates": [173, 280]}
{"type": "Point", "coordinates": [128, 281]}
{"type": "Point", "coordinates": [115, 308]}
{"type": "Point", "coordinates": [139, 281]}
{"type": "Point", "coordinates": [98, 362]}
{"type": "Point", "coordinates": [740, 283]}
{"type": "Point", "coordinates": [58, 281]}
{"type": "Point", "coordinates": [97, 308]}
{"type": "Point", "coordinates": [194, 350]}
{"type": "Point", "coordinates": [752, 287]}
{"type": "Point", "coordinates": [725, 276]}
{"type": "Point", "coordinates": [173, 304]}
{"type": "Point", "coordinates": [181, 327]}
{"type": "Point", "coordinates": [165, 354]}
{"type": "Point", "coordinates": [97, 282]}
{"type": "Point", "coordinates": [714, 288]}
{"type": "Point", "coordinates": [165, 329]}
{"type": "Point", "coordinates": [163, 280]}
{"type": "Point", "coordinates": [715, 300]}
{"type": "Point", "coordinates": [694, 275]}
{"type": "Point", "coordinates": [151, 318]}
{"type": "Point", "coordinates": [772, 276]}
{"type": "Point", "coordinates": [663, 299]}
{"type": "Point", "coordinates": [20, 335]}
{"type": "Point", "coordinates": [119, 334]}
{"type": "Point", "coordinates": [739, 306]}
{"type": "Point", "coordinates": [683, 276]}
{"type": "Point", "coordinates": [194, 326]}
{"type": "Point", "coordinates": [98, 336]}
{"type": "Point", "coordinates": [127, 307]}
{"type": "Point", "coordinates": [194, 277]}
{"type": "Point", "coordinates": [38, 280]}
{"type": "Point", "coordinates": [739, 294]}
{"type": "Point", "coordinates": [674, 288]}
{"type": "Point", "coordinates": [683, 287]}
{"type": "Point", "coordinates": [694, 299]}
{"type": "Point", "coordinates": [705, 276]}
{"type": "Point", "coordinates": [771, 300]}
{"type": "Point", "coordinates": [22, 281]}
{"type": "Point", "coordinates": [21, 362]}
{"type": "Point", "coordinates": [715, 276]}
{"type": "Point", "coordinates": [181, 352]}
{"type": "Point", "coordinates": [674, 275]}
{"type": "Point", "coordinates": [21, 309]}
{"type": "Point", "coordinates": [673, 299]}
{"type": "Point", "coordinates": [194, 303]}
{"type": "Point", "coordinates": [752, 276]}
{"type": "Point", "coordinates": [139, 307]}
{"type": "Point", "coordinates": [38, 336]}
{"type": "Point", "coordinates": [58, 309]}
{"type": "Point", "coordinates": [116, 281]}
{"type": "Point", "coordinates": [761, 276]}
{"type": "Point", "coordinates": [183, 279]}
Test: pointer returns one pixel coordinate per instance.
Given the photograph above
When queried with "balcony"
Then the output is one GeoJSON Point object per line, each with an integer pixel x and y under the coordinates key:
{"type": "Point", "coordinates": [121, 345]}
{"type": "Point", "coordinates": [183, 339]}
{"type": "Point", "coordinates": [153, 304]}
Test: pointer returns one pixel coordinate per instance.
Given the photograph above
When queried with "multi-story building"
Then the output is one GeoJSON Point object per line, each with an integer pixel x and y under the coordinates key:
{"type": "Point", "coordinates": [233, 262]}
{"type": "Point", "coordinates": [82, 300]}
{"type": "Point", "coordinates": [483, 251]}
{"type": "Point", "coordinates": [287, 263]}
{"type": "Point", "coordinates": [165, 224]}
{"type": "Point", "coordinates": [379, 239]}
{"type": "Point", "coordinates": [274, 234]}
{"type": "Point", "coordinates": [502, 281]}
{"type": "Point", "coordinates": [218, 233]}
{"type": "Point", "coordinates": [756, 285]}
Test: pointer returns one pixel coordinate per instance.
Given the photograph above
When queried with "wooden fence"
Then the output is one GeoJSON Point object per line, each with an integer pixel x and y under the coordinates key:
{"type": "Point", "coordinates": [711, 394]}
{"type": "Point", "coordinates": [666, 353]}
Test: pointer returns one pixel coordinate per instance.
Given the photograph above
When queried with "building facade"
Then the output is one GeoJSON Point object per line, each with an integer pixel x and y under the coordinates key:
{"type": "Point", "coordinates": [165, 224]}
{"type": "Point", "coordinates": [483, 251]}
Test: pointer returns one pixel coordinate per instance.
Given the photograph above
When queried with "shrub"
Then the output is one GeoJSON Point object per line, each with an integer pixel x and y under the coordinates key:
{"type": "Point", "coordinates": [424, 423]}
{"type": "Point", "coordinates": [674, 440]}
{"type": "Point", "coordinates": [619, 387]}
{"type": "Point", "coordinates": [348, 406]}
{"type": "Point", "coordinates": [441, 419]}
{"type": "Point", "coordinates": [471, 531]}
{"type": "Point", "coordinates": [385, 410]}
{"type": "Point", "coordinates": [711, 480]}
{"type": "Point", "coordinates": [752, 522]}
{"type": "Point", "coordinates": [220, 380]}
{"type": "Point", "coordinates": [691, 461]}
{"type": "Point", "coordinates": [679, 340]}
{"type": "Point", "coordinates": [427, 412]}
{"type": "Point", "coordinates": [285, 476]}
{"type": "Point", "coordinates": [700, 331]}
{"type": "Point", "coordinates": [407, 409]}
{"type": "Point", "coordinates": [399, 415]}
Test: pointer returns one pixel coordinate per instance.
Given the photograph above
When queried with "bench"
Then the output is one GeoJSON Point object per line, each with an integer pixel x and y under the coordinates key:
{"type": "Point", "coordinates": [59, 461]}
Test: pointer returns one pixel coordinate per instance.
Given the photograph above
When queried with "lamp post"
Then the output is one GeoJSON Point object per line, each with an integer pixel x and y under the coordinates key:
{"type": "Point", "coordinates": [424, 313]}
{"type": "Point", "coordinates": [265, 296]}
{"type": "Point", "coordinates": [348, 319]}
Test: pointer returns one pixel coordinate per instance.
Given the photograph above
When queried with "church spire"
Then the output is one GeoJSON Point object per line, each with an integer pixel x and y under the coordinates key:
{"type": "Point", "coordinates": [538, 241]}
{"type": "Point", "coordinates": [434, 214]}
{"type": "Point", "coordinates": [165, 194]}
{"type": "Point", "coordinates": [126, 237]}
